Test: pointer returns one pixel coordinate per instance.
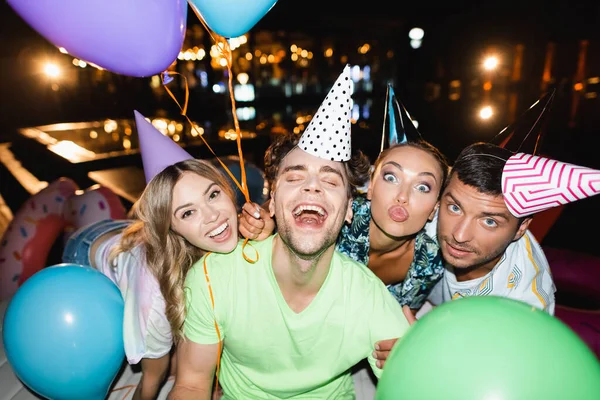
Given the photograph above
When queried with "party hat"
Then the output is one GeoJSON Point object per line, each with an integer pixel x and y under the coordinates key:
{"type": "Point", "coordinates": [327, 135]}
{"type": "Point", "coordinates": [524, 135]}
{"type": "Point", "coordinates": [158, 151]}
{"type": "Point", "coordinates": [531, 184]}
{"type": "Point", "coordinates": [398, 126]}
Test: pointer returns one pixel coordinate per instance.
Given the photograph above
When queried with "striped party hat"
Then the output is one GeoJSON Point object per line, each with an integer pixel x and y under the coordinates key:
{"type": "Point", "coordinates": [531, 184]}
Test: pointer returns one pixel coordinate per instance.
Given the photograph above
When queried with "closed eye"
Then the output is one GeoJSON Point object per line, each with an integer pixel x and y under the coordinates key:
{"type": "Point", "coordinates": [293, 178]}
{"type": "Point", "coordinates": [331, 180]}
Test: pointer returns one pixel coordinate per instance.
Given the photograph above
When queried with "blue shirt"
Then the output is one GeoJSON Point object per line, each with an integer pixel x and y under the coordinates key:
{"type": "Point", "coordinates": [424, 272]}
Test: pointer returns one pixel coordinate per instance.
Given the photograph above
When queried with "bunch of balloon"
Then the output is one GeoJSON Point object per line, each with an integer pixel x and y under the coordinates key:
{"type": "Point", "coordinates": [224, 20]}
{"type": "Point", "coordinates": [489, 348]}
{"type": "Point", "coordinates": [63, 333]}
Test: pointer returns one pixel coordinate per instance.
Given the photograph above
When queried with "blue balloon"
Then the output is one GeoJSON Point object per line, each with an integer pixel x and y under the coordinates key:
{"type": "Point", "coordinates": [63, 332]}
{"type": "Point", "coordinates": [231, 18]}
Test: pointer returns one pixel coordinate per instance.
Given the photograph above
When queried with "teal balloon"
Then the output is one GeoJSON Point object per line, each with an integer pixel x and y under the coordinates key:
{"type": "Point", "coordinates": [63, 333]}
{"type": "Point", "coordinates": [232, 18]}
{"type": "Point", "coordinates": [481, 348]}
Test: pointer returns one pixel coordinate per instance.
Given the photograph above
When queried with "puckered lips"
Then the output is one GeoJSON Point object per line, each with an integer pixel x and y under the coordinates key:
{"type": "Point", "coordinates": [309, 215]}
{"type": "Point", "coordinates": [398, 213]}
{"type": "Point", "coordinates": [221, 232]}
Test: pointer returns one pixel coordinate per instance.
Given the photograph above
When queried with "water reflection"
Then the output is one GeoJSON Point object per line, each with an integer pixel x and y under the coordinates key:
{"type": "Point", "coordinates": [453, 118]}
{"type": "Point", "coordinates": [87, 141]}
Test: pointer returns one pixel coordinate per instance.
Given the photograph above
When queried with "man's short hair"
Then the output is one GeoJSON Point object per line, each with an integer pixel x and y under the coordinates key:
{"type": "Point", "coordinates": [357, 168]}
{"type": "Point", "coordinates": [480, 165]}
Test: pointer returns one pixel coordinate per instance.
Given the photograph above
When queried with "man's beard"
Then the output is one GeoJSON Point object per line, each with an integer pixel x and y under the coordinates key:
{"type": "Point", "coordinates": [308, 249]}
{"type": "Point", "coordinates": [475, 262]}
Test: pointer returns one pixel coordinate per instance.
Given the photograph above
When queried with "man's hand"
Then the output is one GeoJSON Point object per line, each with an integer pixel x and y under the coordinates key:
{"type": "Point", "coordinates": [383, 347]}
{"type": "Point", "coordinates": [382, 351]}
{"type": "Point", "coordinates": [255, 222]}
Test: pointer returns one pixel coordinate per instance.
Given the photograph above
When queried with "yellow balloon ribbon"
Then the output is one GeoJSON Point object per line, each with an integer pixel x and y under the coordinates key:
{"type": "Point", "coordinates": [167, 78]}
{"type": "Point", "coordinates": [226, 53]}
{"type": "Point", "coordinates": [212, 303]}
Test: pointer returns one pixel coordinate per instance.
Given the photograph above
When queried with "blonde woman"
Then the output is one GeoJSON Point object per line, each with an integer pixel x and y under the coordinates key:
{"type": "Point", "coordinates": [185, 211]}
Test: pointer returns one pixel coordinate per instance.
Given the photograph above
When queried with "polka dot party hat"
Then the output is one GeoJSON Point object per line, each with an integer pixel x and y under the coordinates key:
{"type": "Point", "coordinates": [327, 136]}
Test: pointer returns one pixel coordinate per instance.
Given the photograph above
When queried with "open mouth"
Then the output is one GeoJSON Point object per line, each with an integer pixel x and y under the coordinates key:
{"type": "Point", "coordinates": [309, 215]}
{"type": "Point", "coordinates": [219, 231]}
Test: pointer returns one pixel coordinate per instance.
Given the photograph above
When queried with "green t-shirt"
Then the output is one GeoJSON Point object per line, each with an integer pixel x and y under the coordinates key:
{"type": "Point", "coordinates": [271, 352]}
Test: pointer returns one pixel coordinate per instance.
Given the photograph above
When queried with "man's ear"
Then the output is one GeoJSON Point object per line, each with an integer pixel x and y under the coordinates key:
{"type": "Point", "coordinates": [437, 206]}
{"type": "Point", "coordinates": [272, 204]}
{"type": "Point", "coordinates": [522, 228]}
{"type": "Point", "coordinates": [349, 212]}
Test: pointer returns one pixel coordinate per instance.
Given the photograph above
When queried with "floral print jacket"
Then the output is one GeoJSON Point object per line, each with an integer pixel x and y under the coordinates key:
{"type": "Point", "coordinates": [425, 271]}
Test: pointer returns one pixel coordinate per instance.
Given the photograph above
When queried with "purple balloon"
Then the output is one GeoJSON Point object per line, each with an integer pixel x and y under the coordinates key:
{"type": "Point", "coordinates": [129, 37]}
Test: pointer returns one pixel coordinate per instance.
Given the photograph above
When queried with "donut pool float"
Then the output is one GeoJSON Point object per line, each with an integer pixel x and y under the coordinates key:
{"type": "Point", "coordinates": [25, 245]}
{"type": "Point", "coordinates": [59, 209]}
{"type": "Point", "coordinates": [94, 204]}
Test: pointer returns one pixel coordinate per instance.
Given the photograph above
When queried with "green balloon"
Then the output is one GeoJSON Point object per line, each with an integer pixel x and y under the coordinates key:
{"type": "Point", "coordinates": [489, 348]}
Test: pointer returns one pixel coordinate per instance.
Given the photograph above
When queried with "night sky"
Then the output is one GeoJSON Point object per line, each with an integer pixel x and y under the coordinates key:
{"type": "Point", "coordinates": [454, 21]}
{"type": "Point", "coordinates": [454, 32]}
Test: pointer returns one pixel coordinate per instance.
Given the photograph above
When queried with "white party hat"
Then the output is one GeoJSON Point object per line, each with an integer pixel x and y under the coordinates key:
{"type": "Point", "coordinates": [327, 135]}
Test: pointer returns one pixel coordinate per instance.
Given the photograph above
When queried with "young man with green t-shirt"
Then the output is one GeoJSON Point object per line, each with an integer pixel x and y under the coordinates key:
{"type": "Point", "coordinates": [295, 321]}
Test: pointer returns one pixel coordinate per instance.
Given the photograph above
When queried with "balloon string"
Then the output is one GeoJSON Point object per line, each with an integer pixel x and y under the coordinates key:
{"type": "Point", "coordinates": [226, 53]}
{"type": "Point", "coordinates": [238, 133]}
{"type": "Point", "coordinates": [212, 301]}
{"type": "Point", "coordinates": [184, 113]}
{"type": "Point", "coordinates": [243, 187]}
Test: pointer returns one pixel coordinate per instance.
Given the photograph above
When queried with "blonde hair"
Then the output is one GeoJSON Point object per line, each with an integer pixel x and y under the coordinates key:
{"type": "Point", "coordinates": [167, 254]}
